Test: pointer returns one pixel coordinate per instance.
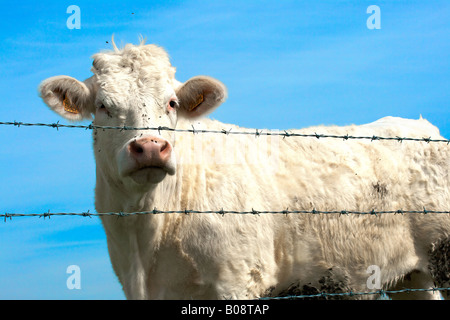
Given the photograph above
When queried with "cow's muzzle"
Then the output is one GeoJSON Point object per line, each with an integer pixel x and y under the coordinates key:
{"type": "Point", "coordinates": [151, 158]}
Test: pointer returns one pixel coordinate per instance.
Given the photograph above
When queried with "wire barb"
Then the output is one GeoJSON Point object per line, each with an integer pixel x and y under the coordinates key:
{"type": "Point", "coordinates": [226, 132]}
{"type": "Point", "coordinates": [55, 125]}
{"type": "Point", "coordinates": [46, 214]}
{"type": "Point", "coordinates": [427, 140]}
{"type": "Point", "coordinates": [86, 214]}
{"type": "Point", "coordinates": [7, 216]}
{"type": "Point", "coordinates": [121, 214]}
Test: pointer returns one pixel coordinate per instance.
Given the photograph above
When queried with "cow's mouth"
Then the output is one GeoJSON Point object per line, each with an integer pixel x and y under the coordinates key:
{"type": "Point", "coordinates": [151, 173]}
{"type": "Point", "coordinates": [148, 174]}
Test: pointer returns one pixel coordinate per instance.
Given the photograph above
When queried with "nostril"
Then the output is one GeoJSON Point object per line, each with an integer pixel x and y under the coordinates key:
{"type": "Point", "coordinates": [139, 149]}
{"type": "Point", "coordinates": [164, 146]}
{"type": "Point", "coordinates": [135, 147]}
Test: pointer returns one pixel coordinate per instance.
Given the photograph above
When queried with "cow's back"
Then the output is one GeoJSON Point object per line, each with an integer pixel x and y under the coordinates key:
{"type": "Point", "coordinates": [323, 174]}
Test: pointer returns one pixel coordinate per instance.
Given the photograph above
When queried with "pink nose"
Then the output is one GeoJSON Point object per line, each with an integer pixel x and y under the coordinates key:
{"type": "Point", "coordinates": [150, 152]}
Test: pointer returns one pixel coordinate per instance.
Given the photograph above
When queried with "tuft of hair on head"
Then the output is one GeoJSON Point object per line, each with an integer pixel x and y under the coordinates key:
{"type": "Point", "coordinates": [142, 40]}
{"type": "Point", "coordinates": [114, 43]}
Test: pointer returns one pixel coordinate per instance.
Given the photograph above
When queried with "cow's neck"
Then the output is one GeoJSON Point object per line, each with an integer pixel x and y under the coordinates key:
{"type": "Point", "coordinates": [134, 240]}
{"type": "Point", "coordinates": [113, 197]}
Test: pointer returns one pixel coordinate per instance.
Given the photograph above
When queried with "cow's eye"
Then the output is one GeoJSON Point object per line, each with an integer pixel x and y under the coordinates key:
{"type": "Point", "coordinates": [103, 109]}
{"type": "Point", "coordinates": [173, 104]}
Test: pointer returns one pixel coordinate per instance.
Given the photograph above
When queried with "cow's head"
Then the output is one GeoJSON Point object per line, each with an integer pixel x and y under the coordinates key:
{"type": "Point", "coordinates": [134, 87]}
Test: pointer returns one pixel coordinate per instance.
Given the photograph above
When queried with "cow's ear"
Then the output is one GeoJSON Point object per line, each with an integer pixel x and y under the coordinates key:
{"type": "Point", "coordinates": [199, 96]}
{"type": "Point", "coordinates": [70, 98]}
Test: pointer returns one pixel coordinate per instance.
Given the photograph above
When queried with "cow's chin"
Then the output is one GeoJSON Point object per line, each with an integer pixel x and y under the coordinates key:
{"type": "Point", "coordinates": [150, 175]}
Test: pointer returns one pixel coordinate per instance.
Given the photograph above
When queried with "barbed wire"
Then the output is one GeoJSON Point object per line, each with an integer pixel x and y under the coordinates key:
{"type": "Point", "coordinates": [351, 294]}
{"type": "Point", "coordinates": [222, 212]}
{"type": "Point", "coordinates": [255, 132]}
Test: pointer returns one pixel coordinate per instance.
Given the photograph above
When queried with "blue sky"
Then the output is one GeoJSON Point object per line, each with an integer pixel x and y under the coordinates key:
{"type": "Point", "coordinates": [287, 64]}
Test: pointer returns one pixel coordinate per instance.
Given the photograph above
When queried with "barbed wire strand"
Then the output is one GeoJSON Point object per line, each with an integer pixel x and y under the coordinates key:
{"type": "Point", "coordinates": [222, 212]}
{"type": "Point", "coordinates": [255, 132]}
{"type": "Point", "coordinates": [380, 292]}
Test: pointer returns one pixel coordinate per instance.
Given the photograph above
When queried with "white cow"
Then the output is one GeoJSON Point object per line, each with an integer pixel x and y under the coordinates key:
{"type": "Point", "coordinates": [243, 256]}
